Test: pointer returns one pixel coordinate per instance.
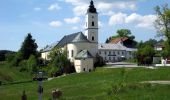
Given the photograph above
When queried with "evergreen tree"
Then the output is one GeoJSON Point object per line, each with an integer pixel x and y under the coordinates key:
{"type": "Point", "coordinates": [29, 47]}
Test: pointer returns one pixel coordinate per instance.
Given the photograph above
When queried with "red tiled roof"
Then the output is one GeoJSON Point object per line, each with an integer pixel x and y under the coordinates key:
{"type": "Point", "coordinates": [117, 40]}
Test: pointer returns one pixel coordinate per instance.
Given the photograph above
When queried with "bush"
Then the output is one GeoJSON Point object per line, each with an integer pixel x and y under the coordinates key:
{"type": "Point", "coordinates": [32, 64]}
{"type": "Point", "coordinates": [23, 65]}
{"type": "Point", "coordinates": [16, 60]}
{"type": "Point", "coordinates": [99, 61]}
{"type": "Point", "coordinates": [9, 57]}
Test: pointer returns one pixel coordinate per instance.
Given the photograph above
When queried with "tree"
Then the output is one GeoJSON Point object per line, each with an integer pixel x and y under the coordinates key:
{"type": "Point", "coordinates": [122, 33]}
{"type": "Point", "coordinates": [145, 54]}
{"type": "Point", "coordinates": [162, 24]}
{"type": "Point", "coordinates": [58, 60]}
{"type": "Point", "coordinates": [29, 47]}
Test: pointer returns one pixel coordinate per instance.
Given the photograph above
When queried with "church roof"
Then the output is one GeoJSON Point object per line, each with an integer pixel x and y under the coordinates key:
{"type": "Point", "coordinates": [83, 54]}
{"type": "Point", "coordinates": [49, 47]}
{"type": "Point", "coordinates": [91, 8]}
{"type": "Point", "coordinates": [72, 38]}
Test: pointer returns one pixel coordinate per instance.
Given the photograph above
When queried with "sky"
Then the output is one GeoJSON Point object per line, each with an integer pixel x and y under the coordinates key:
{"type": "Point", "coordinates": [49, 20]}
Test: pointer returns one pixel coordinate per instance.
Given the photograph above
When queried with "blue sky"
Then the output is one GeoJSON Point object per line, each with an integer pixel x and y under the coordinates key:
{"type": "Point", "coordinates": [50, 20]}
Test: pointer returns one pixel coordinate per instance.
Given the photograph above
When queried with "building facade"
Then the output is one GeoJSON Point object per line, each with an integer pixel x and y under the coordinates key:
{"type": "Point", "coordinates": [115, 52]}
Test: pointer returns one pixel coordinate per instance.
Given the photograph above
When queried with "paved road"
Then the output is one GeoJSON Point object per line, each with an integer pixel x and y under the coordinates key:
{"type": "Point", "coordinates": [158, 82]}
{"type": "Point", "coordinates": [120, 64]}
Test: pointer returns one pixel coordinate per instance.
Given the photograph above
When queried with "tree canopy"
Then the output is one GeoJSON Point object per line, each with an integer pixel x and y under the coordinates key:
{"type": "Point", "coordinates": [162, 24]}
{"type": "Point", "coordinates": [122, 33]}
{"type": "Point", "coordinates": [29, 47]}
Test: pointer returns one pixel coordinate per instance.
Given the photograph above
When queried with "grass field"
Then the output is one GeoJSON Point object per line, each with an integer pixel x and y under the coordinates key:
{"type": "Point", "coordinates": [102, 84]}
{"type": "Point", "coordinates": [12, 74]}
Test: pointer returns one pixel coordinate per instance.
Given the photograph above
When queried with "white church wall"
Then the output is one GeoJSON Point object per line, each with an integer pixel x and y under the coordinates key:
{"type": "Point", "coordinates": [83, 65]}
{"type": "Point", "coordinates": [77, 47]}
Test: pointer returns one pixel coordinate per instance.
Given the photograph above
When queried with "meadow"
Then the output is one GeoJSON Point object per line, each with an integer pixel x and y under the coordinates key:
{"type": "Point", "coordinates": [101, 84]}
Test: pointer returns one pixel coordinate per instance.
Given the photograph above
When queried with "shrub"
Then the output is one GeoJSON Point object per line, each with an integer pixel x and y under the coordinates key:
{"type": "Point", "coordinates": [23, 65]}
{"type": "Point", "coordinates": [9, 57]}
{"type": "Point", "coordinates": [99, 61]}
{"type": "Point", "coordinates": [32, 64]}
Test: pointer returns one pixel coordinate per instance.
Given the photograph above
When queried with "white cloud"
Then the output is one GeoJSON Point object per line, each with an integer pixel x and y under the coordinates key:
{"type": "Point", "coordinates": [80, 10]}
{"type": "Point", "coordinates": [74, 28]}
{"type": "Point", "coordinates": [54, 7]}
{"type": "Point", "coordinates": [137, 20]}
{"type": "Point", "coordinates": [103, 6]}
{"type": "Point", "coordinates": [55, 24]}
{"type": "Point", "coordinates": [118, 18]}
{"type": "Point", "coordinates": [72, 20]}
{"type": "Point", "coordinates": [100, 24]}
{"type": "Point", "coordinates": [37, 8]}
{"type": "Point", "coordinates": [107, 6]}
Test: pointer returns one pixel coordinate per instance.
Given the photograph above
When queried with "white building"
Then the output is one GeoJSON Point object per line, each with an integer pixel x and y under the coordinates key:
{"type": "Point", "coordinates": [83, 48]}
{"type": "Point", "coordinates": [115, 52]}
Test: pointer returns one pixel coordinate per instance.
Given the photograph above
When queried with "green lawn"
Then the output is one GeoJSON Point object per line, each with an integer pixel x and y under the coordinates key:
{"type": "Point", "coordinates": [102, 84]}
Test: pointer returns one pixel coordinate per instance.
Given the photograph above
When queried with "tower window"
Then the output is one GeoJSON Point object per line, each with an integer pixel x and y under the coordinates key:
{"type": "Point", "coordinates": [72, 53]}
{"type": "Point", "coordinates": [92, 38]}
{"type": "Point", "coordinates": [92, 23]}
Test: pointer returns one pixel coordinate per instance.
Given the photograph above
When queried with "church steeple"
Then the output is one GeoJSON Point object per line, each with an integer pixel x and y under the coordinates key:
{"type": "Point", "coordinates": [91, 23]}
{"type": "Point", "coordinates": [91, 8]}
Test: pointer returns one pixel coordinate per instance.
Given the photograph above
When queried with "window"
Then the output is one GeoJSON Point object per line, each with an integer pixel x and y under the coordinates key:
{"type": "Point", "coordinates": [122, 53]}
{"type": "Point", "coordinates": [105, 52]}
{"type": "Point", "coordinates": [72, 53]}
{"type": "Point", "coordinates": [109, 52]}
{"type": "Point", "coordinates": [99, 52]}
{"type": "Point", "coordinates": [84, 69]}
{"type": "Point", "coordinates": [68, 53]}
{"type": "Point", "coordinates": [118, 52]}
{"type": "Point", "coordinates": [92, 38]}
{"type": "Point", "coordinates": [92, 23]}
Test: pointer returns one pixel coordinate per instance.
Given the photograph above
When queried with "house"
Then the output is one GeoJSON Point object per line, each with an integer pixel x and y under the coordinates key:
{"type": "Point", "coordinates": [159, 47]}
{"type": "Point", "coordinates": [115, 52]}
{"type": "Point", "coordinates": [124, 41]}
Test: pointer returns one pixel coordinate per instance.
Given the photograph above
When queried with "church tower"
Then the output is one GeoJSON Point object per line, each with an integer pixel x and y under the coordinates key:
{"type": "Point", "coordinates": [91, 23]}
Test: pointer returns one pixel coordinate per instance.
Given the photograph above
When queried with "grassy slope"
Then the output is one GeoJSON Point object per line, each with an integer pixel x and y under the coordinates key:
{"type": "Point", "coordinates": [95, 86]}
{"type": "Point", "coordinates": [8, 74]}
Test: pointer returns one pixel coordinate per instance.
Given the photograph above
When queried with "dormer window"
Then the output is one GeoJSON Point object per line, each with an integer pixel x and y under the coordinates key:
{"type": "Point", "coordinates": [92, 23]}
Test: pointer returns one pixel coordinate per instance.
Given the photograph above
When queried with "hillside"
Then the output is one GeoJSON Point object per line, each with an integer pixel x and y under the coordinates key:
{"type": "Point", "coordinates": [3, 53]}
{"type": "Point", "coordinates": [102, 84]}
{"type": "Point", "coordinates": [9, 74]}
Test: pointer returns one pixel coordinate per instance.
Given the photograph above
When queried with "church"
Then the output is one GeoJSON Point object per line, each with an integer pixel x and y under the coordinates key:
{"type": "Point", "coordinates": [82, 48]}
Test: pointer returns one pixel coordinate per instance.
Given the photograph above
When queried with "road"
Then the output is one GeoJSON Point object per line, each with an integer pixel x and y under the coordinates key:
{"type": "Point", "coordinates": [120, 64]}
